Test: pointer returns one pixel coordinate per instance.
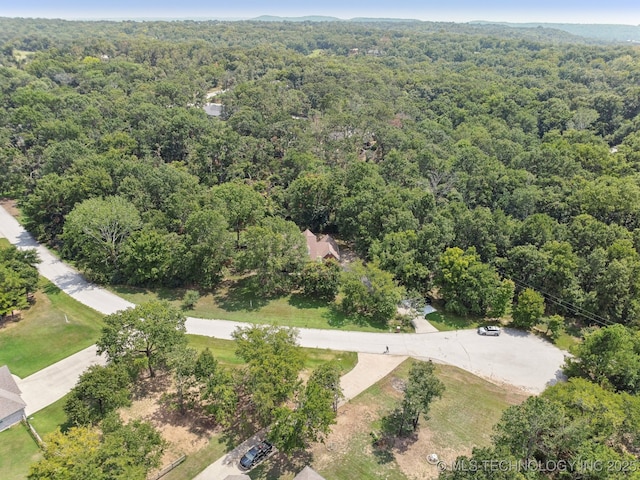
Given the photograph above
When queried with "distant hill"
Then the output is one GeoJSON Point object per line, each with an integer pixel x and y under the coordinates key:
{"type": "Point", "coordinates": [309, 18]}
{"type": "Point", "coordinates": [320, 18]}
{"type": "Point", "coordinates": [603, 32]}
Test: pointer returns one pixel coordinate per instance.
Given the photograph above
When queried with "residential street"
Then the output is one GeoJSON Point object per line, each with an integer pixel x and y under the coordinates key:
{"type": "Point", "coordinates": [515, 358]}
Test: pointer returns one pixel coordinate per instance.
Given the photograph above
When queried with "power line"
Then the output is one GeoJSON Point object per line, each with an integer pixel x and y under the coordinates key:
{"type": "Point", "coordinates": [576, 309]}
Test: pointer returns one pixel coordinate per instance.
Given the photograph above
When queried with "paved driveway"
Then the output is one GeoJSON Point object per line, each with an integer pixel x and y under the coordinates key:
{"type": "Point", "coordinates": [52, 383]}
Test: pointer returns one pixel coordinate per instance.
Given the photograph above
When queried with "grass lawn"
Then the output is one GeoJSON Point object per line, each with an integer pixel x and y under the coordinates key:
{"type": "Point", "coordinates": [55, 327]}
{"type": "Point", "coordinates": [461, 419]}
{"type": "Point", "coordinates": [469, 408]}
{"type": "Point", "coordinates": [18, 450]}
{"type": "Point", "coordinates": [49, 418]}
{"type": "Point", "coordinates": [225, 352]}
{"type": "Point", "coordinates": [197, 462]}
{"type": "Point", "coordinates": [236, 300]}
{"type": "Point", "coordinates": [445, 321]}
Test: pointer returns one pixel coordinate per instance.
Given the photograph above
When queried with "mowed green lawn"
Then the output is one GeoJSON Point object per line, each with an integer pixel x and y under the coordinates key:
{"type": "Point", "coordinates": [55, 327]}
{"type": "Point", "coordinates": [18, 450]}
{"type": "Point", "coordinates": [237, 301]}
{"type": "Point", "coordinates": [225, 352]}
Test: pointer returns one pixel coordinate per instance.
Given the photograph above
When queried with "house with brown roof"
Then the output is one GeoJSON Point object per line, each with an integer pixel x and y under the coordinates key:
{"type": "Point", "coordinates": [11, 404]}
{"type": "Point", "coordinates": [321, 248]}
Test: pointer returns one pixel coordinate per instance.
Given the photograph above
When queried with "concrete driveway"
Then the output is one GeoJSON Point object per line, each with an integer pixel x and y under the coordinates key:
{"type": "Point", "coordinates": [52, 383]}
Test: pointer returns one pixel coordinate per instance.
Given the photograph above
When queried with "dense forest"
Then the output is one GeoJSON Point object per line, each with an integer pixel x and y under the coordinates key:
{"type": "Point", "coordinates": [404, 139]}
{"type": "Point", "coordinates": [472, 163]}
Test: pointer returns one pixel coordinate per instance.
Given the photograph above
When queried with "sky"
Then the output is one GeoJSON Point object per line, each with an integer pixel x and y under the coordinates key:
{"type": "Point", "coordinates": [565, 11]}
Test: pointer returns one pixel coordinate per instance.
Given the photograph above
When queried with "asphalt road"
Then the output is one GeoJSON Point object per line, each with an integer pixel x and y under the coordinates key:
{"type": "Point", "coordinates": [516, 358]}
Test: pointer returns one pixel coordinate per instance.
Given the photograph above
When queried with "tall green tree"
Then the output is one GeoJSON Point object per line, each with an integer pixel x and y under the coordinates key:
{"type": "Point", "coordinates": [609, 357]}
{"type": "Point", "coordinates": [99, 391]}
{"type": "Point", "coordinates": [422, 387]}
{"type": "Point", "coordinates": [95, 232]}
{"type": "Point", "coordinates": [321, 279]}
{"type": "Point", "coordinates": [143, 336]}
{"type": "Point", "coordinates": [310, 419]}
{"type": "Point", "coordinates": [217, 387]}
{"type": "Point", "coordinates": [370, 292]}
{"type": "Point", "coordinates": [18, 278]}
{"type": "Point", "coordinates": [209, 247]}
{"type": "Point", "coordinates": [243, 205]}
{"type": "Point", "coordinates": [274, 361]}
{"type": "Point", "coordinates": [276, 251]}
{"type": "Point", "coordinates": [528, 310]}
{"type": "Point", "coordinates": [118, 452]}
{"type": "Point", "coordinates": [469, 286]}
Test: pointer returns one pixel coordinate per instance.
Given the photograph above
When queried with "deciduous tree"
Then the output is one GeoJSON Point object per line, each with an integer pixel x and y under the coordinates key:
{"type": "Point", "coordinates": [370, 292]}
{"type": "Point", "coordinates": [142, 336]}
{"type": "Point", "coordinates": [274, 361]}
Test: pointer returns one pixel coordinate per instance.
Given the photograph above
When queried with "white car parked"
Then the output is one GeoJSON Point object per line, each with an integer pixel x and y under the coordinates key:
{"type": "Point", "coordinates": [491, 331]}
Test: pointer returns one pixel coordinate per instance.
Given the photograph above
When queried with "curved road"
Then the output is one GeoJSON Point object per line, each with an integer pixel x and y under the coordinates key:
{"type": "Point", "coordinates": [515, 358]}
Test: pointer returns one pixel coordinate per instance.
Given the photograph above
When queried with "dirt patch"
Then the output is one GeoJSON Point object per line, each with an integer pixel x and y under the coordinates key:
{"type": "Point", "coordinates": [352, 421]}
{"type": "Point", "coordinates": [10, 206]}
{"type": "Point", "coordinates": [185, 433]}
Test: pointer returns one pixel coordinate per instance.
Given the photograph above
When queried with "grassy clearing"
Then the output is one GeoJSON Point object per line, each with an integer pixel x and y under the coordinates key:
{"type": "Point", "coordinates": [49, 418]}
{"type": "Point", "coordinates": [463, 418]}
{"type": "Point", "coordinates": [225, 352]}
{"type": "Point", "coordinates": [55, 327]}
{"type": "Point", "coordinates": [469, 408]}
{"type": "Point", "coordinates": [236, 300]}
{"type": "Point", "coordinates": [197, 462]}
{"type": "Point", "coordinates": [445, 321]}
{"type": "Point", "coordinates": [17, 451]}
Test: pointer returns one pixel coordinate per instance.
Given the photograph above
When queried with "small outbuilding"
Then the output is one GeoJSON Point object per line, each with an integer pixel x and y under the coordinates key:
{"type": "Point", "coordinates": [11, 404]}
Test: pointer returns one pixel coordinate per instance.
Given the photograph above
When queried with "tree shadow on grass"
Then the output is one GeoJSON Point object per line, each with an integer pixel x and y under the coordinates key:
{"type": "Point", "coordinates": [243, 294]}
{"type": "Point", "coordinates": [162, 293]}
{"type": "Point", "coordinates": [281, 464]}
{"type": "Point", "coordinates": [50, 289]}
{"type": "Point", "coordinates": [395, 436]}
{"type": "Point", "coordinates": [338, 319]}
{"type": "Point", "coordinates": [299, 300]}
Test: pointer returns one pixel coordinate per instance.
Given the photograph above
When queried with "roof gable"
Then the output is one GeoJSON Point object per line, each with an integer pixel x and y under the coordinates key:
{"type": "Point", "coordinates": [308, 473]}
{"type": "Point", "coordinates": [10, 400]}
{"type": "Point", "coordinates": [325, 247]}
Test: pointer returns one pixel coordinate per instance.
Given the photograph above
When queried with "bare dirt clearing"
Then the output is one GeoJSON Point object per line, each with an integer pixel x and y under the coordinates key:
{"type": "Point", "coordinates": [185, 433]}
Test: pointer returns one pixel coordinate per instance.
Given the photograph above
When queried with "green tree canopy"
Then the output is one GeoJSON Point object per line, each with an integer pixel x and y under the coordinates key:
{"type": "Point", "coordinates": [276, 251]}
{"type": "Point", "coordinates": [142, 336]}
{"type": "Point", "coordinates": [95, 232]}
{"type": "Point", "coordinates": [469, 286]}
{"type": "Point", "coordinates": [370, 292]}
{"type": "Point", "coordinates": [610, 357]}
{"type": "Point", "coordinates": [99, 391]}
{"type": "Point", "coordinates": [274, 361]}
{"type": "Point", "coordinates": [528, 310]}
